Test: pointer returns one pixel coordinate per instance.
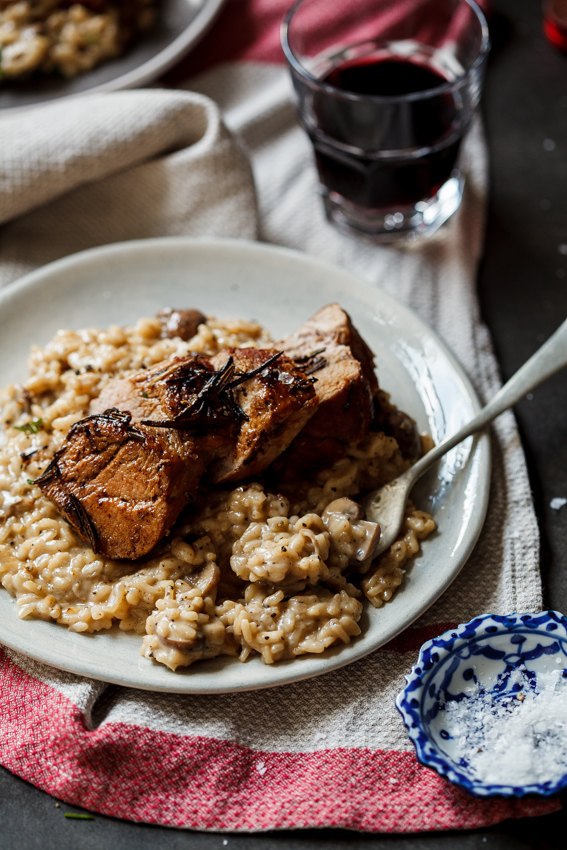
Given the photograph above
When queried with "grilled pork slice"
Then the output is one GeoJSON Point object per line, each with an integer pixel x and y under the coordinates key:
{"type": "Point", "coordinates": [121, 486]}
{"type": "Point", "coordinates": [238, 435]}
{"type": "Point", "coordinates": [329, 347]}
{"type": "Point", "coordinates": [328, 332]}
{"type": "Point", "coordinates": [125, 472]}
{"type": "Point", "coordinates": [277, 402]}
{"type": "Point", "coordinates": [163, 394]}
{"type": "Point", "coordinates": [346, 381]}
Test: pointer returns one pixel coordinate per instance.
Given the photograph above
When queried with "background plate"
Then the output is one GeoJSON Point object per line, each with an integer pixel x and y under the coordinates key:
{"type": "Point", "coordinates": [281, 289]}
{"type": "Point", "coordinates": [180, 26]}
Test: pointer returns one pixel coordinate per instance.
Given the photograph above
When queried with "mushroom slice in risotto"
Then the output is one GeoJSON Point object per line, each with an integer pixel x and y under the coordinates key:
{"type": "Point", "coordinates": [181, 323]}
{"type": "Point", "coordinates": [184, 626]}
{"type": "Point", "coordinates": [354, 539]}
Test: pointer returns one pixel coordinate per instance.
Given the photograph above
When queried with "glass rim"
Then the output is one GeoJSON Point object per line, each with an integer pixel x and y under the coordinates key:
{"type": "Point", "coordinates": [547, 7]}
{"type": "Point", "coordinates": [449, 86]}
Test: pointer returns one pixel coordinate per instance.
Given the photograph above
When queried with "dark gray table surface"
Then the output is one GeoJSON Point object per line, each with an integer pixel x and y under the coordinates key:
{"type": "Point", "coordinates": [523, 293]}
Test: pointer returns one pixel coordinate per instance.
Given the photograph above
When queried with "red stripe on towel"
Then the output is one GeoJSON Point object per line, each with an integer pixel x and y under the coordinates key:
{"type": "Point", "coordinates": [202, 783]}
{"type": "Point", "coordinates": [249, 30]}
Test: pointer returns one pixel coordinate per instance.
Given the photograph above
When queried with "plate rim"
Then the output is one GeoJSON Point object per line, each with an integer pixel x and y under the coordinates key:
{"type": "Point", "coordinates": [148, 70]}
{"type": "Point", "coordinates": [482, 448]}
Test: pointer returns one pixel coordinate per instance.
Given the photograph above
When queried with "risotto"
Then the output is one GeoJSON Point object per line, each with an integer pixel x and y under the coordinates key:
{"type": "Point", "coordinates": [263, 567]}
{"type": "Point", "coordinates": [58, 37]}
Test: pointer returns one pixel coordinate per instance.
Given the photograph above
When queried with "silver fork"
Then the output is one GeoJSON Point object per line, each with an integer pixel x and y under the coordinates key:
{"type": "Point", "coordinates": [387, 505]}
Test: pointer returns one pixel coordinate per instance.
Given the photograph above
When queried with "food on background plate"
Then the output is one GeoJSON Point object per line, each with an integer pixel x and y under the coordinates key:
{"type": "Point", "coordinates": [197, 482]}
{"type": "Point", "coordinates": [66, 38]}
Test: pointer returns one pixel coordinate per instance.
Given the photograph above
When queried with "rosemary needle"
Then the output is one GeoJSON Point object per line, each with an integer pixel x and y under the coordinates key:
{"type": "Point", "coordinates": [78, 817]}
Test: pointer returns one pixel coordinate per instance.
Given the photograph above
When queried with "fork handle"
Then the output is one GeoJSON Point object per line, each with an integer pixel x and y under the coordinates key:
{"type": "Point", "coordinates": [547, 360]}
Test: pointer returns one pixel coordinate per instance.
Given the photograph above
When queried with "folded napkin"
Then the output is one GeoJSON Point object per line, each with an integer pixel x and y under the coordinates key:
{"type": "Point", "coordinates": [103, 169]}
{"type": "Point", "coordinates": [332, 750]}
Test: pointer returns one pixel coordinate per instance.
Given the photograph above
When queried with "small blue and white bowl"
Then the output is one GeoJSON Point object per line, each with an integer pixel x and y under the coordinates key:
{"type": "Point", "coordinates": [483, 652]}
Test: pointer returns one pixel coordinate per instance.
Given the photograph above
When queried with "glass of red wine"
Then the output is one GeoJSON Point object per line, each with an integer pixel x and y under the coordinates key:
{"type": "Point", "coordinates": [386, 91]}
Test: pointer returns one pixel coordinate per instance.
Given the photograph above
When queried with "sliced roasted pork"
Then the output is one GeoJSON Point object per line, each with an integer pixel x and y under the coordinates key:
{"type": "Point", "coordinates": [124, 473]}
{"type": "Point", "coordinates": [121, 486]}
{"type": "Point", "coordinates": [329, 347]}
{"type": "Point", "coordinates": [270, 400]}
{"type": "Point", "coordinates": [277, 402]}
{"type": "Point", "coordinates": [162, 395]}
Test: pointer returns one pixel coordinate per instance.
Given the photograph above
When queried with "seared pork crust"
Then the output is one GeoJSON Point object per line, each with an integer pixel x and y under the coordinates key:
{"type": "Point", "coordinates": [121, 486]}
{"type": "Point", "coordinates": [277, 403]}
{"type": "Point", "coordinates": [346, 383]}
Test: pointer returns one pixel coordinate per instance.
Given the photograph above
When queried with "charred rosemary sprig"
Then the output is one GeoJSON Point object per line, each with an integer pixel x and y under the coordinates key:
{"type": "Point", "coordinates": [50, 473]}
{"type": "Point", "coordinates": [252, 374]}
{"type": "Point", "coordinates": [303, 384]}
{"type": "Point", "coordinates": [178, 372]}
{"type": "Point", "coordinates": [110, 415]}
{"type": "Point", "coordinates": [79, 518]}
{"type": "Point", "coordinates": [310, 363]}
{"type": "Point", "coordinates": [316, 365]}
{"type": "Point", "coordinates": [214, 405]}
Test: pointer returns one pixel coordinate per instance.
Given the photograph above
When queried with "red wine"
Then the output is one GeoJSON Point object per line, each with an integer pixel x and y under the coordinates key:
{"type": "Point", "coordinates": [422, 136]}
{"type": "Point", "coordinates": [386, 77]}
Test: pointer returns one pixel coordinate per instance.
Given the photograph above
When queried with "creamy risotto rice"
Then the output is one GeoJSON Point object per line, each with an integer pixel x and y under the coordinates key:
{"type": "Point", "coordinates": [246, 570]}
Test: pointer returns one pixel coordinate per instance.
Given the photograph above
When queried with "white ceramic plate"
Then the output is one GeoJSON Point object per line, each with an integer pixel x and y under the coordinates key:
{"type": "Point", "coordinates": [180, 25]}
{"type": "Point", "coordinates": [281, 289]}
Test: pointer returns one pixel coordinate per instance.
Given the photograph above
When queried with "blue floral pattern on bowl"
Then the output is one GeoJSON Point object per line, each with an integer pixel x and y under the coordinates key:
{"type": "Point", "coordinates": [483, 651]}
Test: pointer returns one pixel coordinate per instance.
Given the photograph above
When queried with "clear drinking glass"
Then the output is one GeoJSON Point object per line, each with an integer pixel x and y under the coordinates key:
{"type": "Point", "coordinates": [386, 90]}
